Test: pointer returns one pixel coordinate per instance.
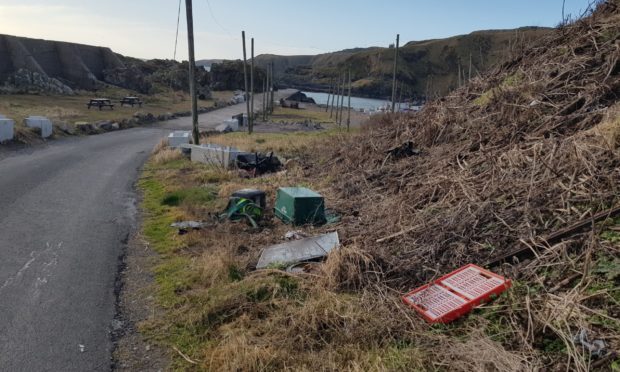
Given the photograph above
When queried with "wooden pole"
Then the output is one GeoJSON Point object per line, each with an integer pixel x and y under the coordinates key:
{"type": "Point", "coordinates": [335, 89]}
{"type": "Point", "coordinates": [264, 95]}
{"type": "Point", "coordinates": [349, 112]}
{"type": "Point", "coordinates": [400, 97]}
{"type": "Point", "coordinates": [251, 118]}
{"type": "Point", "coordinates": [192, 71]}
{"type": "Point", "coordinates": [469, 67]}
{"type": "Point", "coordinates": [272, 87]}
{"type": "Point", "coordinates": [344, 82]}
{"type": "Point", "coordinates": [339, 98]}
{"type": "Point", "coordinates": [394, 74]}
{"type": "Point", "coordinates": [329, 92]}
{"type": "Point", "coordinates": [245, 79]}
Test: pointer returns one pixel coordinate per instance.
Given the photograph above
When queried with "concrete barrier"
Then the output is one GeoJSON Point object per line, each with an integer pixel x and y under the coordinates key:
{"type": "Point", "coordinates": [233, 124]}
{"type": "Point", "coordinates": [178, 138]}
{"type": "Point", "coordinates": [40, 122]}
{"type": "Point", "coordinates": [7, 129]}
{"type": "Point", "coordinates": [221, 156]}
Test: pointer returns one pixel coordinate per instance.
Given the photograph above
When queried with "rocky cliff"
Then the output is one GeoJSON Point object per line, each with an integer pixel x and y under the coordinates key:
{"type": "Point", "coordinates": [32, 65]}
{"type": "Point", "coordinates": [54, 67]}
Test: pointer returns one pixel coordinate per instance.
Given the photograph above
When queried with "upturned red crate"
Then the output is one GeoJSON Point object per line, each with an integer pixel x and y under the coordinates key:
{"type": "Point", "coordinates": [456, 294]}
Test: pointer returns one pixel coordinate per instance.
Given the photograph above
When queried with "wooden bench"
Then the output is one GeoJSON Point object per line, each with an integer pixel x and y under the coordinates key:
{"type": "Point", "coordinates": [131, 101]}
{"type": "Point", "coordinates": [100, 102]}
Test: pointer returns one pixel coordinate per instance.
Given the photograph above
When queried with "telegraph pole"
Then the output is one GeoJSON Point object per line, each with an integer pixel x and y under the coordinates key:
{"type": "Point", "coordinates": [272, 88]}
{"type": "Point", "coordinates": [192, 71]}
{"type": "Point", "coordinates": [245, 78]}
{"type": "Point", "coordinates": [335, 90]}
{"type": "Point", "coordinates": [394, 76]}
{"type": "Point", "coordinates": [344, 82]}
{"type": "Point", "coordinates": [264, 94]}
{"type": "Point", "coordinates": [329, 92]}
{"type": "Point", "coordinates": [251, 118]}
{"type": "Point", "coordinates": [349, 112]}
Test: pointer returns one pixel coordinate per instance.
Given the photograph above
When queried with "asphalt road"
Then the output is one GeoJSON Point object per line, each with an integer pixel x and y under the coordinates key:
{"type": "Point", "coordinates": [66, 210]}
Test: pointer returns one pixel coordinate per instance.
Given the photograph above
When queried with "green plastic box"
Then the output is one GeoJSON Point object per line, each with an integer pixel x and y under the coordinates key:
{"type": "Point", "coordinates": [299, 206]}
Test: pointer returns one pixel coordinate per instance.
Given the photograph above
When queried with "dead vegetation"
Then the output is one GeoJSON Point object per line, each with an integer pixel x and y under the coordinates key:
{"type": "Point", "coordinates": [504, 162]}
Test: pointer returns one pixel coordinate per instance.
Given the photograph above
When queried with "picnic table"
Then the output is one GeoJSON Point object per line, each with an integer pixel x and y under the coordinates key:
{"type": "Point", "coordinates": [131, 101]}
{"type": "Point", "coordinates": [100, 102]}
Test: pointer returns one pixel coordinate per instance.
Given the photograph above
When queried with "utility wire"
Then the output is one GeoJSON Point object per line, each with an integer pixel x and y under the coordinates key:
{"type": "Point", "coordinates": [176, 40]}
{"type": "Point", "coordinates": [215, 19]}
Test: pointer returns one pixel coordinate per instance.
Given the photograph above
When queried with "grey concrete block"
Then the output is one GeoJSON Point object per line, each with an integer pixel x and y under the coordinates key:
{"type": "Point", "coordinates": [178, 138]}
{"type": "Point", "coordinates": [7, 127]}
{"type": "Point", "coordinates": [42, 123]}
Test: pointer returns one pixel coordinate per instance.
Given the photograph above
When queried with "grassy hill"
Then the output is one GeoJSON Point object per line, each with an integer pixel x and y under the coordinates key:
{"type": "Point", "coordinates": [424, 66]}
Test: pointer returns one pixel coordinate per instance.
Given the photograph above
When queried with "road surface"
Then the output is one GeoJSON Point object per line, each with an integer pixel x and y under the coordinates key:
{"type": "Point", "coordinates": [66, 210]}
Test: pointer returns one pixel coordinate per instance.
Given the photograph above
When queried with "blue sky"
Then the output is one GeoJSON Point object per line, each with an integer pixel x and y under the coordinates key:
{"type": "Point", "coordinates": [146, 28]}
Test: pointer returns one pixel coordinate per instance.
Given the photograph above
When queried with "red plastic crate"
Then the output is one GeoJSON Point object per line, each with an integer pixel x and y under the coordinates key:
{"type": "Point", "coordinates": [456, 294]}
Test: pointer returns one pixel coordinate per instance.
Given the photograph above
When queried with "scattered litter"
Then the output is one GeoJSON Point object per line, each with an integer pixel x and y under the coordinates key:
{"type": "Point", "coordinates": [257, 196]}
{"type": "Point", "coordinates": [597, 348]}
{"type": "Point", "coordinates": [117, 325]}
{"type": "Point", "coordinates": [456, 294]}
{"type": "Point", "coordinates": [295, 235]}
{"type": "Point", "coordinates": [299, 250]}
{"type": "Point", "coordinates": [299, 206]}
{"type": "Point", "coordinates": [245, 207]}
{"type": "Point", "coordinates": [405, 150]}
{"type": "Point", "coordinates": [185, 226]}
{"type": "Point", "coordinates": [82, 348]}
{"type": "Point", "coordinates": [258, 163]}
{"type": "Point", "coordinates": [304, 268]}
{"type": "Point", "coordinates": [331, 217]}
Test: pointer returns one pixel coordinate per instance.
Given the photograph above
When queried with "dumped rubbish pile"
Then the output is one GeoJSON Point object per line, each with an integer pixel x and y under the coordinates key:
{"type": "Point", "coordinates": [258, 163]}
{"type": "Point", "coordinates": [228, 157]}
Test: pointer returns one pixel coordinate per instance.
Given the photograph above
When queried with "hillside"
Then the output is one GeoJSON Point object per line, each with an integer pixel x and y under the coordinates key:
{"type": "Point", "coordinates": [425, 66]}
{"type": "Point", "coordinates": [54, 67]}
